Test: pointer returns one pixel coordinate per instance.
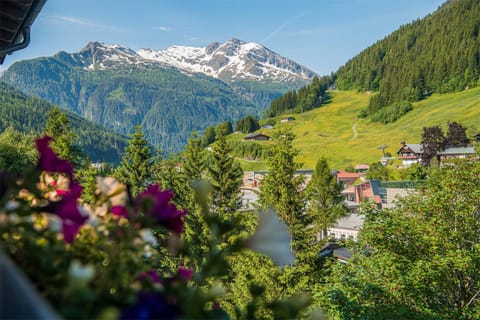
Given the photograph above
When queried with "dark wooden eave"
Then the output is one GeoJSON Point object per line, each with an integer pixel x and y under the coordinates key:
{"type": "Point", "coordinates": [16, 17]}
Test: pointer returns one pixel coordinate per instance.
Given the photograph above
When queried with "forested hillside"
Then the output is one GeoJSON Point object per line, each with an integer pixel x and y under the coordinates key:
{"type": "Point", "coordinates": [27, 114]}
{"type": "Point", "coordinates": [437, 54]}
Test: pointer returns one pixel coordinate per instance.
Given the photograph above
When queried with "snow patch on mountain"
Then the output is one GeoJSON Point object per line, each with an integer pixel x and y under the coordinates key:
{"type": "Point", "coordinates": [230, 61]}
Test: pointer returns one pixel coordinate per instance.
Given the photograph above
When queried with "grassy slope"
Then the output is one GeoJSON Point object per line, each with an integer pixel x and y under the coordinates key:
{"type": "Point", "coordinates": [328, 130]}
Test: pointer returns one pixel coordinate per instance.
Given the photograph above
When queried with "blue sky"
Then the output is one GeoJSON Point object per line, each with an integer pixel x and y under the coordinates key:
{"type": "Point", "coordinates": [319, 34]}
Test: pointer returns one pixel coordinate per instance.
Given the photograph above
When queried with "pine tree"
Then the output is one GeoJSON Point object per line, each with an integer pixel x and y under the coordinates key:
{"type": "Point", "coordinates": [225, 175]}
{"type": "Point", "coordinates": [325, 199]}
{"type": "Point", "coordinates": [135, 167]}
{"type": "Point", "coordinates": [58, 127]}
{"type": "Point", "coordinates": [281, 189]}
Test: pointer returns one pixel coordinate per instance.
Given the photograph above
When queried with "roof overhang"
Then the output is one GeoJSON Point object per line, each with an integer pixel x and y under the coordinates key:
{"type": "Point", "coordinates": [16, 17]}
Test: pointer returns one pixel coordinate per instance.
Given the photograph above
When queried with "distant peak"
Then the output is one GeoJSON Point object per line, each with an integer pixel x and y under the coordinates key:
{"type": "Point", "coordinates": [236, 41]}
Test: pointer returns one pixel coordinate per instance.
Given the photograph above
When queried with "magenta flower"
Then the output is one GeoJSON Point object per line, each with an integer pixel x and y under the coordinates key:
{"type": "Point", "coordinates": [49, 161]}
{"type": "Point", "coordinates": [155, 203]}
{"type": "Point", "coordinates": [185, 273]}
{"type": "Point", "coordinates": [152, 275]}
{"type": "Point", "coordinates": [119, 211]}
{"type": "Point", "coordinates": [67, 210]}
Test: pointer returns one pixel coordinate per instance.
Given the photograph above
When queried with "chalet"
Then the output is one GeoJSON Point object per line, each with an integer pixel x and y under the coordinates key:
{"type": "Point", "coordinates": [289, 119]}
{"type": "Point", "coordinates": [256, 137]}
{"type": "Point", "coordinates": [336, 251]}
{"type": "Point", "coordinates": [457, 153]}
{"type": "Point", "coordinates": [267, 126]}
{"type": "Point", "coordinates": [410, 153]}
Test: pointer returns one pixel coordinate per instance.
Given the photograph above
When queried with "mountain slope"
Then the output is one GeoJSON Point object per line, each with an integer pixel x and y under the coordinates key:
{"type": "Point", "coordinates": [437, 54]}
{"type": "Point", "coordinates": [119, 88]}
{"type": "Point", "coordinates": [27, 114]}
{"type": "Point", "coordinates": [334, 131]}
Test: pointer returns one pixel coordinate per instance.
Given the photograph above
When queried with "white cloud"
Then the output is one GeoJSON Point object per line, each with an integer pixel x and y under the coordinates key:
{"type": "Point", "coordinates": [163, 28]}
{"type": "Point", "coordinates": [283, 26]}
{"type": "Point", "coordinates": [59, 19]}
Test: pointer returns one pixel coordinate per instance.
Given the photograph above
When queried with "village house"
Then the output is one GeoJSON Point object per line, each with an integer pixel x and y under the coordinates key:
{"type": "Point", "coordinates": [457, 153]}
{"type": "Point", "coordinates": [361, 168]}
{"type": "Point", "coordinates": [256, 137]}
{"type": "Point", "coordinates": [346, 228]}
{"type": "Point", "coordinates": [288, 119]}
{"type": "Point", "coordinates": [410, 153]}
{"type": "Point", "coordinates": [347, 178]}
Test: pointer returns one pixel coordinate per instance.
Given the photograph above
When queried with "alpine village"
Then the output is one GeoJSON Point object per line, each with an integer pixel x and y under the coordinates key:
{"type": "Point", "coordinates": [229, 182]}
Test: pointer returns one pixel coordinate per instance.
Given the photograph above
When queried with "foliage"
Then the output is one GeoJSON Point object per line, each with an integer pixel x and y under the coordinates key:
{"type": "Point", "coordinates": [247, 124]}
{"type": "Point", "coordinates": [325, 198]}
{"type": "Point", "coordinates": [123, 257]}
{"type": "Point", "coordinates": [433, 141]}
{"type": "Point", "coordinates": [308, 97]}
{"type": "Point", "coordinates": [29, 115]}
{"type": "Point", "coordinates": [456, 135]}
{"type": "Point", "coordinates": [436, 54]}
{"type": "Point", "coordinates": [209, 136]}
{"type": "Point", "coordinates": [135, 168]}
{"type": "Point", "coordinates": [225, 176]}
{"type": "Point", "coordinates": [390, 113]}
{"type": "Point", "coordinates": [378, 171]}
{"type": "Point", "coordinates": [16, 151]}
{"type": "Point", "coordinates": [419, 260]}
{"type": "Point", "coordinates": [58, 126]}
{"type": "Point", "coordinates": [224, 128]}
{"type": "Point", "coordinates": [250, 150]}
{"type": "Point", "coordinates": [414, 172]}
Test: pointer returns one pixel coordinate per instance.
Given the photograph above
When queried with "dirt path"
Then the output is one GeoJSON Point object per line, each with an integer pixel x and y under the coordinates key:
{"type": "Point", "coordinates": [355, 132]}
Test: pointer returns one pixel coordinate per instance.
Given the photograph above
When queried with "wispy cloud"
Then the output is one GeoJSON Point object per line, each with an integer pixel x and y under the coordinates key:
{"type": "Point", "coordinates": [163, 28]}
{"type": "Point", "coordinates": [314, 31]}
{"type": "Point", "coordinates": [283, 26]}
{"type": "Point", "coordinates": [59, 19]}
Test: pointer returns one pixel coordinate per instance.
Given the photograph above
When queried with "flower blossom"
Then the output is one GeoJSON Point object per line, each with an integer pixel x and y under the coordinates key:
{"type": "Point", "coordinates": [155, 203]}
{"type": "Point", "coordinates": [272, 239]}
{"type": "Point", "coordinates": [68, 211]}
{"type": "Point", "coordinates": [49, 161]}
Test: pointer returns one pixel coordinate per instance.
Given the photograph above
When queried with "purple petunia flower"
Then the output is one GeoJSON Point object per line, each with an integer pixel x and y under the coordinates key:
{"type": "Point", "coordinates": [119, 211]}
{"type": "Point", "coordinates": [67, 210]}
{"type": "Point", "coordinates": [185, 273]}
{"type": "Point", "coordinates": [49, 161]}
{"type": "Point", "coordinates": [151, 305]}
{"type": "Point", "coordinates": [152, 275]}
{"type": "Point", "coordinates": [156, 204]}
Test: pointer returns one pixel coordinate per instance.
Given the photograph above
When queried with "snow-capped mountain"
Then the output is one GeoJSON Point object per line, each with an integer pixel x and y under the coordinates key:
{"type": "Point", "coordinates": [230, 61]}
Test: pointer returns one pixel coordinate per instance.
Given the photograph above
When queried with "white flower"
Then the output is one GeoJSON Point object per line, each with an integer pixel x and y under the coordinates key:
{"type": "Point", "coordinates": [148, 237]}
{"type": "Point", "coordinates": [80, 274]}
{"type": "Point", "coordinates": [272, 239]}
{"type": "Point", "coordinates": [111, 188]}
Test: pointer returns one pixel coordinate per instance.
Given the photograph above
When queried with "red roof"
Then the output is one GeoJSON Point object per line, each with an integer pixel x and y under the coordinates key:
{"type": "Point", "coordinates": [341, 174]}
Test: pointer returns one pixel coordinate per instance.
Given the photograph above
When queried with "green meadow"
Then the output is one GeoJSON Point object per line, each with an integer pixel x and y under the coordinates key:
{"type": "Point", "coordinates": [335, 132]}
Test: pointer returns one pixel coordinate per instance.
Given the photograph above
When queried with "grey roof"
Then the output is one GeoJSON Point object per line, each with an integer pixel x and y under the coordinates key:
{"type": "Point", "coordinates": [460, 150]}
{"type": "Point", "coordinates": [254, 135]}
{"type": "Point", "coordinates": [416, 147]}
{"type": "Point", "coordinates": [353, 222]}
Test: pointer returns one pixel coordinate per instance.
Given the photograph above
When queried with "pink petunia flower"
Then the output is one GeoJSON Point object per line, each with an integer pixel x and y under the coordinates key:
{"type": "Point", "coordinates": [67, 210]}
{"type": "Point", "coordinates": [119, 211]}
{"type": "Point", "coordinates": [49, 161]}
{"type": "Point", "coordinates": [155, 203]}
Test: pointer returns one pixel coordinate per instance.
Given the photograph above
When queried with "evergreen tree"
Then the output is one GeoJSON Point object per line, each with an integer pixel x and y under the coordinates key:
{"type": "Point", "coordinates": [325, 198]}
{"type": "Point", "coordinates": [433, 141]}
{"type": "Point", "coordinates": [247, 125]}
{"type": "Point", "coordinates": [456, 135]}
{"type": "Point", "coordinates": [281, 189]}
{"type": "Point", "coordinates": [58, 127]}
{"type": "Point", "coordinates": [209, 136]}
{"type": "Point", "coordinates": [225, 175]}
{"type": "Point", "coordinates": [135, 167]}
